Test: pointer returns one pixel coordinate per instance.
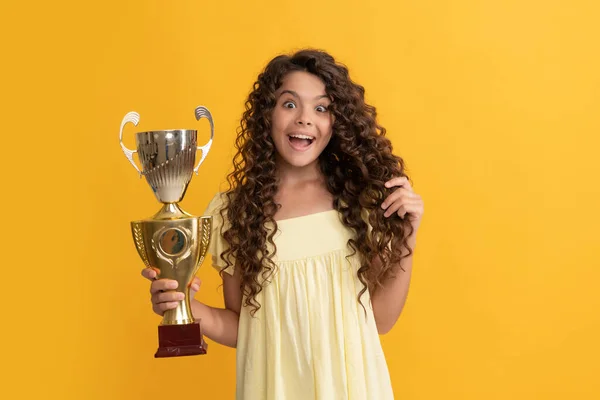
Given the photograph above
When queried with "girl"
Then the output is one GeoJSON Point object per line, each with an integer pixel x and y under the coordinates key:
{"type": "Point", "coordinates": [313, 239]}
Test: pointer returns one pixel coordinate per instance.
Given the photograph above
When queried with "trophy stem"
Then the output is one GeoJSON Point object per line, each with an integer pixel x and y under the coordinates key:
{"type": "Point", "coordinates": [171, 211]}
{"type": "Point", "coordinates": [180, 315]}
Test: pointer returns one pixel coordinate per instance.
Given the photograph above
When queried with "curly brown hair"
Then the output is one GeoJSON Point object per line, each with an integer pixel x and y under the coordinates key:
{"type": "Point", "coordinates": [356, 164]}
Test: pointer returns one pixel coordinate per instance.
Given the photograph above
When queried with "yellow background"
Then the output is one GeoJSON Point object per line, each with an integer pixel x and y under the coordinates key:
{"type": "Point", "coordinates": [493, 104]}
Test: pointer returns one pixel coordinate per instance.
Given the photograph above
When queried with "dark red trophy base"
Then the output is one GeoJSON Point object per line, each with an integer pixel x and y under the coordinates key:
{"type": "Point", "coordinates": [180, 340]}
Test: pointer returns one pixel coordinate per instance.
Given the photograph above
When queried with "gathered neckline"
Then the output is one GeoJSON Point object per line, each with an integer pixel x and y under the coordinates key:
{"type": "Point", "coordinates": [306, 216]}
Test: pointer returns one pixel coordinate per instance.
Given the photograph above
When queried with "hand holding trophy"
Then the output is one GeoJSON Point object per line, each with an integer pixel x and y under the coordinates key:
{"type": "Point", "coordinates": [172, 242]}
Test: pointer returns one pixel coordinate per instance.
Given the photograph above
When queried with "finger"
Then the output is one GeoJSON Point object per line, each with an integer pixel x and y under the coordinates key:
{"type": "Point", "coordinates": [167, 297]}
{"type": "Point", "coordinates": [398, 195]}
{"type": "Point", "coordinates": [149, 273]}
{"type": "Point", "coordinates": [412, 211]}
{"type": "Point", "coordinates": [396, 208]}
{"type": "Point", "coordinates": [162, 307]}
{"type": "Point", "coordinates": [163, 284]}
{"type": "Point", "coordinates": [195, 284]}
{"type": "Point", "coordinates": [399, 181]}
{"type": "Point", "coordinates": [401, 208]}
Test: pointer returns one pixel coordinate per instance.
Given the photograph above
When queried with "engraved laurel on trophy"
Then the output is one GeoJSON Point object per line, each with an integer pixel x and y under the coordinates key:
{"type": "Point", "coordinates": [172, 241]}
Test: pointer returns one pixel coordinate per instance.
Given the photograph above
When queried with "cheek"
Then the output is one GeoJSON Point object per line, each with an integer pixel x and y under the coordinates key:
{"type": "Point", "coordinates": [326, 128]}
{"type": "Point", "coordinates": [327, 122]}
{"type": "Point", "coordinates": [327, 140]}
{"type": "Point", "coordinates": [278, 122]}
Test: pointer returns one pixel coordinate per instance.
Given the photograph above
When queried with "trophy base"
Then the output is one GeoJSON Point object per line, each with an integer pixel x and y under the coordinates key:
{"type": "Point", "coordinates": [180, 340]}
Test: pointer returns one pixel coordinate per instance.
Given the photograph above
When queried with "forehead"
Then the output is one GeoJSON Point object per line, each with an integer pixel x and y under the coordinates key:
{"type": "Point", "coordinates": [303, 83]}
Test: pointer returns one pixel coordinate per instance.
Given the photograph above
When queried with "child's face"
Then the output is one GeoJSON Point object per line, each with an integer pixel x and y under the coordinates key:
{"type": "Point", "coordinates": [301, 120]}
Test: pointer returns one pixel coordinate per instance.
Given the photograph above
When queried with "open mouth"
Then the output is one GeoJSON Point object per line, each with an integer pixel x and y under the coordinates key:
{"type": "Point", "coordinates": [300, 142]}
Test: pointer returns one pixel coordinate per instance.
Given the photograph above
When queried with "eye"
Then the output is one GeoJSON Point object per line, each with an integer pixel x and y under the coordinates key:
{"type": "Point", "coordinates": [289, 104]}
{"type": "Point", "coordinates": [321, 109]}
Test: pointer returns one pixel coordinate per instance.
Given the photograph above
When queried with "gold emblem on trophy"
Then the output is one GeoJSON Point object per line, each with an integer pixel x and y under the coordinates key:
{"type": "Point", "coordinates": [172, 242]}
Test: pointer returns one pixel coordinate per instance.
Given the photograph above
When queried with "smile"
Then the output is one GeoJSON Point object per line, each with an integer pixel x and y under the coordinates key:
{"type": "Point", "coordinates": [300, 142]}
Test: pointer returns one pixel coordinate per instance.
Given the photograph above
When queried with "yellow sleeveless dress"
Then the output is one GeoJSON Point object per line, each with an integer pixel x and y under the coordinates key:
{"type": "Point", "coordinates": [311, 338]}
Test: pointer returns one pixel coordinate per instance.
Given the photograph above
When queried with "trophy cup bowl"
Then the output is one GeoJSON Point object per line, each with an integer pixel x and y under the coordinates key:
{"type": "Point", "coordinates": [172, 241]}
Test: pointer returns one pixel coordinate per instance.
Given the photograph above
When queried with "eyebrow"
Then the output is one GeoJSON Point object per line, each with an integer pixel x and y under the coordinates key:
{"type": "Point", "coordinates": [296, 94]}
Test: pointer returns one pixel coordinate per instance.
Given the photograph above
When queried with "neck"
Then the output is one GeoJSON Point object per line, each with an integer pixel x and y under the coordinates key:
{"type": "Point", "coordinates": [291, 175]}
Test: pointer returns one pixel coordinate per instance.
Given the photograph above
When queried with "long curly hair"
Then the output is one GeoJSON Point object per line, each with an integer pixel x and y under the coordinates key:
{"type": "Point", "coordinates": [356, 163]}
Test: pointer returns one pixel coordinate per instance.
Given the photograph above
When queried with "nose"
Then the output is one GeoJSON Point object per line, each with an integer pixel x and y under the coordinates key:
{"type": "Point", "coordinates": [303, 119]}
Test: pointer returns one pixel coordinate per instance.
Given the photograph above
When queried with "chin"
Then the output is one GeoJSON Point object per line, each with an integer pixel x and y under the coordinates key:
{"type": "Point", "coordinates": [299, 162]}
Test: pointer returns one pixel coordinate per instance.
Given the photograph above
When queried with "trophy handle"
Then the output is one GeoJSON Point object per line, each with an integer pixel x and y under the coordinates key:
{"type": "Point", "coordinates": [202, 112]}
{"type": "Point", "coordinates": [134, 118]}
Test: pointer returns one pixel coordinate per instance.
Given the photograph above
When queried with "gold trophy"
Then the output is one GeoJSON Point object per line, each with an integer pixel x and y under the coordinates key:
{"type": "Point", "coordinates": [172, 242]}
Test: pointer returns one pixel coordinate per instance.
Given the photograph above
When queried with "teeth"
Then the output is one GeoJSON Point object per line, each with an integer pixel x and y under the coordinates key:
{"type": "Point", "coordinates": [302, 137]}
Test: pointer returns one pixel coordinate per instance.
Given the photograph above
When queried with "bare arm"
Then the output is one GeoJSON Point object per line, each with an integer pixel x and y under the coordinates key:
{"type": "Point", "coordinates": [388, 301]}
{"type": "Point", "coordinates": [221, 324]}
